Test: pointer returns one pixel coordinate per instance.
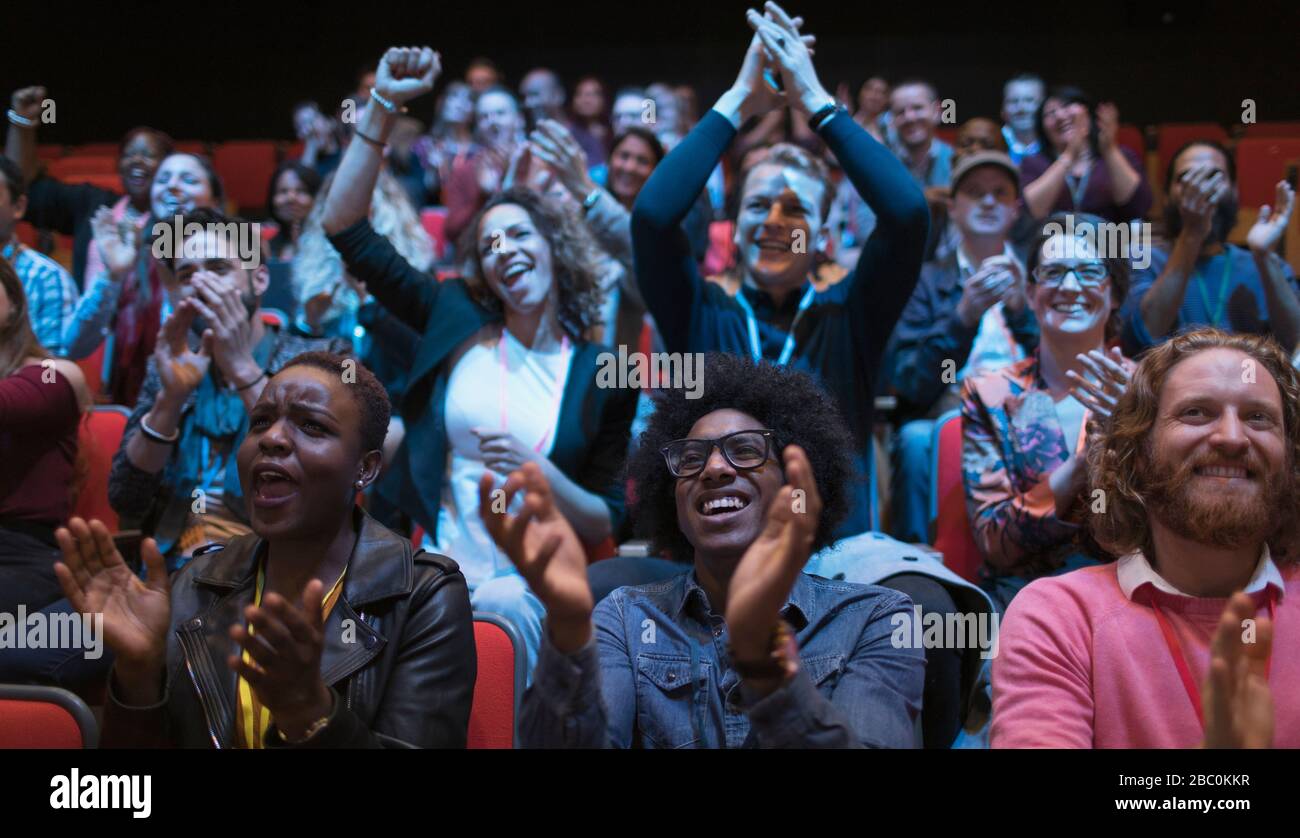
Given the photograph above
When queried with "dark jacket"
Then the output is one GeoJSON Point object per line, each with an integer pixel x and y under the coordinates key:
{"type": "Point", "coordinates": [930, 332]}
{"type": "Point", "coordinates": [841, 340]}
{"type": "Point", "coordinates": [594, 424]}
{"type": "Point", "coordinates": [402, 671]}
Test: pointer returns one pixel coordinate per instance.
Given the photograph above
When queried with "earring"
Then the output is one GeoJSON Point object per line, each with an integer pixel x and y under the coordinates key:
{"type": "Point", "coordinates": [360, 484]}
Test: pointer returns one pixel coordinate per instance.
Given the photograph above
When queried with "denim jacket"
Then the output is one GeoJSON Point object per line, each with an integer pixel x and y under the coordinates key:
{"type": "Point", "coordinates": [657, 675]}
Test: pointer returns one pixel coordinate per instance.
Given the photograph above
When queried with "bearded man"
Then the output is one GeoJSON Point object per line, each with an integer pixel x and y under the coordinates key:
{"type": "Point", "coordinates": [1190, 638]}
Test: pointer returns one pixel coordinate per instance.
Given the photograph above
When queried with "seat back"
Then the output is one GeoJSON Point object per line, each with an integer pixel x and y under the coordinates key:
{"type": "Point", "coordinates": [246, 167]}
{"type": "Point", "coordinates": [949, 525]}
{"type": "Point", "coordinates": [499, 685]}
{"type": "Point", "coordinates": [1171, 136]}
{"type": "Point", "coordinates": [1261, 163]}
{"type": "Point", "coordinates": [99, 438]}
{"type": "Point", "coordinates": [44, 717]}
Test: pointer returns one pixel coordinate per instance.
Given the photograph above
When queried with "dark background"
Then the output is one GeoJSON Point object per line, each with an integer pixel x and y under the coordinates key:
{"type": "Point", "coordinates": [233, 70]}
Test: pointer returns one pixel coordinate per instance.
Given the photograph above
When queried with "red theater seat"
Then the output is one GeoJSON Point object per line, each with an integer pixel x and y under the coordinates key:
{"type": "Point", "coordinates": [1174, 135]}
{"type": "Point", "coordinates": [65, 167]}
{"type": "Point", "coordinates": [245, 167]}
{"type": "Point", "coordinates": [434, 220]}
{"type": "Point", "coordinates": [499, 685]}
{"type": "Point", "coordinates": [1273, 129]}
{"type": "Point", "coordinates": [44, 717]}
{"type": "Point", "coordinates": [1261, 163]}
{"type": "Point", "coordinates": [1130, 137]}
{"type": "Point", "coordinates": [949, 526]}
{"type": "Point", "coordinates": [100, 437]}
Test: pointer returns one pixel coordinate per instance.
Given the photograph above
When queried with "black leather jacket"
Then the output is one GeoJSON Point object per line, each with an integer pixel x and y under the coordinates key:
{"type": "Point", "coordinates": [402, 671]}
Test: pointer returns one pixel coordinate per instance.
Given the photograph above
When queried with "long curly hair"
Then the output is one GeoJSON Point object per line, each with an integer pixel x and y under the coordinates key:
{"type": "Point", "coordinates": [573, 257]}
{"type": "Point", "coordinates": [787, 401]}
{"type": "Point", "coordinates": [1119, 462]}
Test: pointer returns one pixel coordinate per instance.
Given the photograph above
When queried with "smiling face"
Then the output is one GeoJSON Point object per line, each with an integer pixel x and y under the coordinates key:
{"type": "Point", "coordinates": [180, 186]}
{"type": "Point", "coordinates": [916, 113]}
{"type": "Point", "coordinates": [300, 461]}
{"type": "Point", "coordinates": [1063, 122]}
{"type": "Point", "coordinates": [138, 164]}
{"type": "Point", "coordinates": [1218, 450]}
{"type": "Point", "coordinates": [778, 225]}
{"type": "Point", "coordinates": [721, 510]}
{"type": "Point", "coordinates": [1071, 313]}
{"type": "Point", "coordinates": [292, 200]}
{"type": "Point", "coordinates": [515, 258]}
{"type": "Point", "coordinates": [630, 165]}
{"type": "Point", "coordinates": [216, 258]}
{"type": "Point", "coordinates": [985, 202]}
{"type": "Point", "coordinates": [1020, 100]}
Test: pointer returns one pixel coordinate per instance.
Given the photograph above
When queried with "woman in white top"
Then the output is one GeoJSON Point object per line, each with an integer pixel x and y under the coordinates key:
{"type": "Point", "coordinates": [504, 373]}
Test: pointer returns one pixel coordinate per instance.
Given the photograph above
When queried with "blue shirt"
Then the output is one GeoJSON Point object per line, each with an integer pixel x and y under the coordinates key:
{"type": "Point", "coordinates": [67, 324]}
{"type": "Point", "coordinates": [657, 675]}
{"type": "Point", "coordinates": [1245, 307]}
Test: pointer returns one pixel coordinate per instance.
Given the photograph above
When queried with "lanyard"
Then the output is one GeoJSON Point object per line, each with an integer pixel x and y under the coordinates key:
{"type": "Point", "coordinates": [559, 387]}
{"type": "Point", "coordinates": [751, 323]}
{"type": "Point", "coordinates": [1185, 672]}
{"type": "Point", "coordinates": [1078, 187]}
{"type": "Point", "coordinates": [254, 718]}
{"type": "Point", "coordinates": [1217, 313]}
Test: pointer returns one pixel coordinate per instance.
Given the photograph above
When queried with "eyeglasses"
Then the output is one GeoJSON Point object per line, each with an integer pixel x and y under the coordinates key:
{"type": "Point", "coordinates": [743, 449]}
{"type": "Point", "coordinates": [1088, 274]}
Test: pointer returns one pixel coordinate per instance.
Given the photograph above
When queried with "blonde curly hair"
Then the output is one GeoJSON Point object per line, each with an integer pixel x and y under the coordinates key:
{"type": "Point", "coordinates": [317, 267]}
{"type": "Point", "coordinates": [1118, 458]}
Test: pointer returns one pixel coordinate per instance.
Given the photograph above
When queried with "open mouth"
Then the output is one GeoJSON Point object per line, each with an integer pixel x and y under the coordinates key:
{"type": "Point", "coordinates": [773, 245]}
{"type": "Point", "coordinates": [1071, 309]}
{"type": "Point", "coordinates": [272, 486]}
{"type": "Point", "coordinates": [513, 271]}
{"type": "Point", "coordinates": [722, 505]}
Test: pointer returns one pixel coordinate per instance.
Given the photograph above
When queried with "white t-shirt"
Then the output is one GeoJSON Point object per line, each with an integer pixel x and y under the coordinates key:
{"type": "Point", "coordinates": [480, 394]}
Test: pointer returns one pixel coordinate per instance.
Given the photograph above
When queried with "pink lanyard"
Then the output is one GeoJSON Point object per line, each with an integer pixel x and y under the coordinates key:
{"type": "Point", "coordinates": [559, 389]}
{"type": "Point", "coordinates": [1184, 671]}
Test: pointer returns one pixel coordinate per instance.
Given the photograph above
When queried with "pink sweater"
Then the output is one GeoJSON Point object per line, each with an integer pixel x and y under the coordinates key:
{"type": "Point", "coordinates": [1082, 666]}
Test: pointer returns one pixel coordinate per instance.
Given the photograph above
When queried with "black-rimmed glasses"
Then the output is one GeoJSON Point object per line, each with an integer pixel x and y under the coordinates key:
{"type": "Point", "coordinates": [743, 449]}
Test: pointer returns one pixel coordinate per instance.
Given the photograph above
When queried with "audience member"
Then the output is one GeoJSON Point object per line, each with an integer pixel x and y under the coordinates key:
{"type": "Point", "coordinates": [1189, 638]}
{"type": "Point", "coordinates": [1202, 280]}
{"type": "Point", "coordinates": [1080, 167]}
{"type": "Point", "coordinates": [1024, 426]}
{"type": "Point", "coordinates": [740, 486]}
{"type": "Point", "coordinates": [315, 580]}
{"type": "Point", "coordinates": [838, 333]}
{"type": "Point", "coordinates": [68, 208]}
{"type": "Point", "coordinates": [292, 195]}
{"type": "Point", "coordinates": [1021, 97]}
{"type": "Point", "coordinates": [175, 476]}
{"type": "Point", "coordinates": [969, 314]}
{"type": "Point", "coordinates": [520, 319]}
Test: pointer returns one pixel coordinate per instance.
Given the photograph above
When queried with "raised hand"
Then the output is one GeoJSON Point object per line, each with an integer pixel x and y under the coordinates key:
{"type": "Point", "coordinates": [790, 53]}
{"type": "Point", "coordinates": [1107, 126]}
{"type": "Point", "coordinates": [118, 243]}
{"type": "Point", "coordinates": [763, 579]}
{"type": "Point", "coordinates": [555, 146]}
{"type": "Point", "coordinates": [96, 581]}
{"type": "Point", "coordinates": [1238, 703]}
{"type": "Point", "coordinates": [229, 335]}
{"type": "Point", "coordinates": [1111, 371]}
{"type": "Point", "coordinates": [1270, 227]}
{"type": "Point", "coordinates": [541, 543]}
{"type": "Point", "coordinates": [284, 648]}
{"type": "Point", "coordinates": [981, 290]}
{"type": "Point", "coordinates": [407, 72]}
{"type": "Point", "coordinates": [181, 368]}
{"type": "Point", "coordinates": [1203, 187]}
{"type": "Point", "coordinates": [26, 102]}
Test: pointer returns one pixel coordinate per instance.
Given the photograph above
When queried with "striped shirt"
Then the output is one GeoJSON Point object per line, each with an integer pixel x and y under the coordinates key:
{"type": "Point", "coordinates": [66, 324]}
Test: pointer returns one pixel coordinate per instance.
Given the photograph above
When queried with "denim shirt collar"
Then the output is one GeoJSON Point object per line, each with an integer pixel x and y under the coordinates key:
{"type": "Point", "coordinates": [692, 601]}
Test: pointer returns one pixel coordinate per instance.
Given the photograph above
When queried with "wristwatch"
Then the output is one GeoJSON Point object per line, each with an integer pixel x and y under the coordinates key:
{"type": "Point", "coordinates": [590, 201]}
